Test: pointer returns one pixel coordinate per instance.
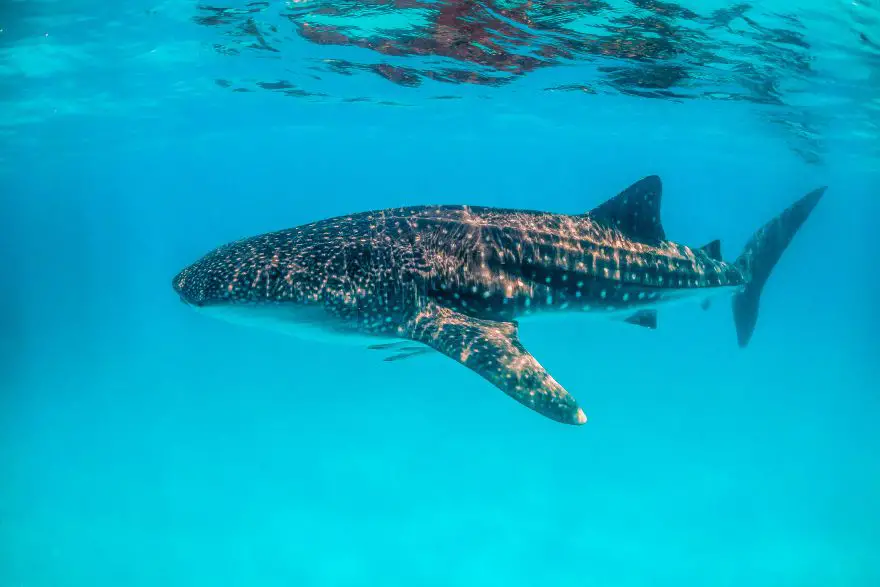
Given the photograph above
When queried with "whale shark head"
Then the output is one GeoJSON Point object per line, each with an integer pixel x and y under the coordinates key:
{"type": "Point", "coordinates": [220, 288]}
{"type": "Point", "coordinates": [237, 284]}
{"type": "Point", "coordinates": [207, 282]}
{"type": "Point", "coordinates": [244, 272]}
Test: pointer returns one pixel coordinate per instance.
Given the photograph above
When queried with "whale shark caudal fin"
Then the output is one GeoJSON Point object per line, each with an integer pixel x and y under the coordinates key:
{"type": "Point", "coordinates": [635, 211]}
{"type": "Point", "coordinates": [493, 351]}
{"type": "Point", "coordinates": [760, 256]}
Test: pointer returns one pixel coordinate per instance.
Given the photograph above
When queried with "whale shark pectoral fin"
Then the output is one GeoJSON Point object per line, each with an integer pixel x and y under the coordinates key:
{"type": "Point", "coordinates": [635, 211]}
{"type": "Point", "coordinates": [646, 318]}
{"type": "Point", "coordinates": [493, 351]}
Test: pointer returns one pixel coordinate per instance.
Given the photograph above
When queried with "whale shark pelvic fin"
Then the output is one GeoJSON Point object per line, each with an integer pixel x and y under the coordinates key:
{"type": "Point", "coordinates": [493, 351]}
{"type": "Point", "coordinates": [645, 318]}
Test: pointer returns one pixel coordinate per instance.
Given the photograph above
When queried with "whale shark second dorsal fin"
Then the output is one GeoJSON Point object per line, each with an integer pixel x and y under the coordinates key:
{"type": "Point", "coordinates": [635, 211]}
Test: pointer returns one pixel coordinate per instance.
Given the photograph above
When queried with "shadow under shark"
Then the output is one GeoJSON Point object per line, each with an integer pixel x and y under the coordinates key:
{"type": "Point", "coordinates": [457, 279]}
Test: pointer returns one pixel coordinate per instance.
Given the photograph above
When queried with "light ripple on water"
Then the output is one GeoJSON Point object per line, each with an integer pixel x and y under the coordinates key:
{"type": "Point", "coordinates": [810, 71]}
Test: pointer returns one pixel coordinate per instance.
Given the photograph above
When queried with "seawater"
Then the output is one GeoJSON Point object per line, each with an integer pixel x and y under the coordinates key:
{"type": "Point", "coordinates": [143, 444]}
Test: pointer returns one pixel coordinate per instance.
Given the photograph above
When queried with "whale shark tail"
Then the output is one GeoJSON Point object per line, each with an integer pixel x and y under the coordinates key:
{"type": "Point", "coordinates": [759, 257]}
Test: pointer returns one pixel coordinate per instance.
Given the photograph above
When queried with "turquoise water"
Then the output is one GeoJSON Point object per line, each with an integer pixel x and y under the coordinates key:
{"type": "Point", "coordinates": [144, 444]}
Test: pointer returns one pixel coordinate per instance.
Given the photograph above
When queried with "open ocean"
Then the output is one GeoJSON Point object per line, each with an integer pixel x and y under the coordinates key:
{"type": "Point", "coordinates": [143, 444]}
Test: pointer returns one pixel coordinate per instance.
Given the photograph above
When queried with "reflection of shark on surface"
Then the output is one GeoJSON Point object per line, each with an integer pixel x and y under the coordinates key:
{"type": "Point", "coordinates": [457, 278]}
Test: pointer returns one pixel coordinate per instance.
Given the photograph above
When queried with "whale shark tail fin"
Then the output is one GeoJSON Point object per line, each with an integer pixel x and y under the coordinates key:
{"type": "Point", "coordinates": [759, 257]}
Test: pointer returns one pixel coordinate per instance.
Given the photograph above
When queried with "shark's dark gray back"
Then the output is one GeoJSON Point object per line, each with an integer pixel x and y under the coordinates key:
{"type": "Point", "coordinates": [489, 262]}
{"type": "Point", "coordinates": [500, 263]}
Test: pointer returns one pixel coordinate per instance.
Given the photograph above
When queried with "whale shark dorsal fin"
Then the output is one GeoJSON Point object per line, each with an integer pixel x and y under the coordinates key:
{"type": "Point", "coordinates": [635, 211]}
{"type": "Point", "coordinates": [493, 351]}
{"type": "Point", "coordinates": [713, 249]}
{"type": "Point", "coordinates": [646, 318]}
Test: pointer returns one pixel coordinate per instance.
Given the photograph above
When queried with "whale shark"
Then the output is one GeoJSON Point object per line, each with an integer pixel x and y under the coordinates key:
{"type": "Point", "coordinates": [459, 279]}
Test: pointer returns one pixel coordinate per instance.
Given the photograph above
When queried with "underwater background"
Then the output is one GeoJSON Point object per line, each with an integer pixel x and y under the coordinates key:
{"type": "Point", "coordinates": [144, 444]}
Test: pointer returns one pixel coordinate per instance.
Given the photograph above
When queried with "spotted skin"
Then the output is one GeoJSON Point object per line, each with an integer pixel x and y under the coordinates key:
{"type": "Point", "coordinates": [458, 278]}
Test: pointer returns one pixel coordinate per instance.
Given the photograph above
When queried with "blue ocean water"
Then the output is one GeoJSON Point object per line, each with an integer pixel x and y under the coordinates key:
{"type": "Point", "coordinates": [144, 444]}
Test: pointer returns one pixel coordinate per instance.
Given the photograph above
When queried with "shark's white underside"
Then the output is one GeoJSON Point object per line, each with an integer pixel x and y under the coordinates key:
{"type": "Point", "coordinates": [313, 324]}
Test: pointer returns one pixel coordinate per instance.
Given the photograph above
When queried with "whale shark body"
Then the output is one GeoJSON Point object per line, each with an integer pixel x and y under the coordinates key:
{"type": "Point", "coordinates": [458, 279]}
